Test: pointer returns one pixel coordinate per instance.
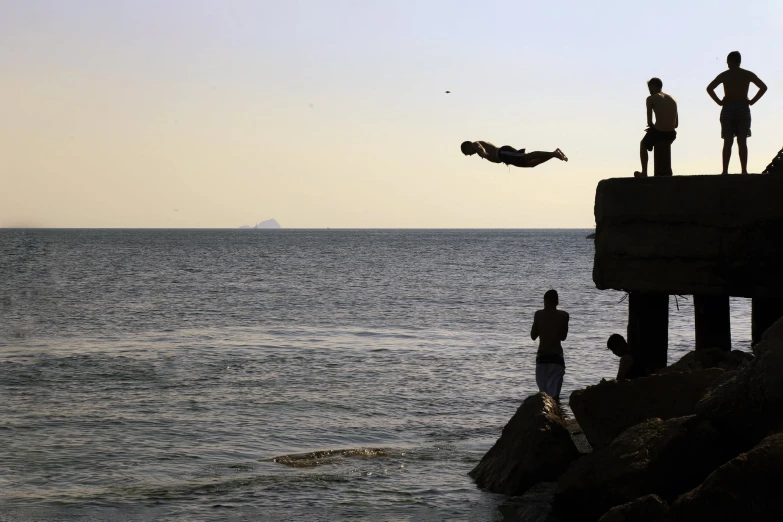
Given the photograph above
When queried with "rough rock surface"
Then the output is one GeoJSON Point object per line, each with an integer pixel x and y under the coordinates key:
{"type": "Point", "coordinates": [745, 488]}
{"type": "Point", "coordinates": [748, 403]}
{"type": "Point", "coordinates": [649, 508]}
{"type": "Point", "coordinates": [578, 436]}
{"type": "Point", "coordinates": [535, 446]}
{"type": "Point", "coordinates": [534, 506]}
{"type": "Point", "coordinates": [607, 409]}
{"type": "Point", "coordinates": [712, 358]}
{"type": "Point", "coordinates": [666, 458]}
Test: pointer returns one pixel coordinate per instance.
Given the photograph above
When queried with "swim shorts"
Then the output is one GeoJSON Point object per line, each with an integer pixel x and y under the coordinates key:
{"type": "Point", "coordinates": [655, 136]}
{"type": "Point", "coordinates": [511, 156]}
{"type": "Point", "coordinates": [735, 120]}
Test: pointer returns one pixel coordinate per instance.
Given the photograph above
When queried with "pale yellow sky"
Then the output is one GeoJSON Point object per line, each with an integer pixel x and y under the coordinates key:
{"type": "Point", "coordinates": [114, 114]}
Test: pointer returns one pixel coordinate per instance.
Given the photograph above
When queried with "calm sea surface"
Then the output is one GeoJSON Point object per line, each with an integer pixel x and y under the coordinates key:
{"type": "Point", "coordinates": [155, 374]}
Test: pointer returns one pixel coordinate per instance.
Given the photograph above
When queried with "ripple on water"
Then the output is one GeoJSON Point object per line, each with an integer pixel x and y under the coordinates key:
{"type": "Point", "coordinates": [151, 374]}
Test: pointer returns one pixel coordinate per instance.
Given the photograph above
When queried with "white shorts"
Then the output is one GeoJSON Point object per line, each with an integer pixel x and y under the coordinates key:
{"type": "Point", "coordinates": [549, 378]}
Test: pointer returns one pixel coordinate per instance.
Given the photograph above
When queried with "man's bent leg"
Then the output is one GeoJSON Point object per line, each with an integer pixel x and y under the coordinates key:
{"type": "Point", "coordinates": [644, 157]}
{"type": "Point", "coordinates": [727, 143]}
{"type": "Point", "coordinates": [742, 145]}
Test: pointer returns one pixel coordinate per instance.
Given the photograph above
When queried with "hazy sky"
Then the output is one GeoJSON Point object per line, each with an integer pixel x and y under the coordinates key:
{"type": "Point", "coordinates": [330, 113]}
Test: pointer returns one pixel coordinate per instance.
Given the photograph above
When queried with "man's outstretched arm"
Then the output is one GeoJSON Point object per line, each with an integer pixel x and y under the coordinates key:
{"type": "Point", "coordinates": [714, 85]}
{"type": "Point", "coordinates": [762, 89]}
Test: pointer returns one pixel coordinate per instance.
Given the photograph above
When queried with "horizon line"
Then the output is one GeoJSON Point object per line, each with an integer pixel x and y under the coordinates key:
{"type": "Point", "coordinates": [297, 228]}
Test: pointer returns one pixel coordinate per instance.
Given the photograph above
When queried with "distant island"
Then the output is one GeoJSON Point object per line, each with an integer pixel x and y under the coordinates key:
{"type": "Point", "coordinates": [269, 223]}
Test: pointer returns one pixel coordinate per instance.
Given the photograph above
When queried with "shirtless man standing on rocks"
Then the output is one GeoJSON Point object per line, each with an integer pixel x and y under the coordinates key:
{"type": "Point", "coordinates": [662, 130]}
{"type": "Point", "coordinates": [551, 325]}
{"type": "Point", "coordinates": [735, 114]}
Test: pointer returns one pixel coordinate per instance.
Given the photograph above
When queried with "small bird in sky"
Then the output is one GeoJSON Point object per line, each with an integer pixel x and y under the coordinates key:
{"type": "Point", "coordinates": [175, 210]}
{"type": "Point", "coordinates": [448, 92]}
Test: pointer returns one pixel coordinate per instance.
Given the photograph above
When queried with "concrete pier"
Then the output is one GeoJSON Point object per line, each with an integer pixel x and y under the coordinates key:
{"type": "Point", "coordinates": [765, 311]}
{"type": "Point", "coordinates": [712, 322]}
{"type": "Point", "coordinates": [708, 236]}
{"type": "Point", "coordinates": [662, 159]}
{"type": "Point", "coordinates": [648, 327]}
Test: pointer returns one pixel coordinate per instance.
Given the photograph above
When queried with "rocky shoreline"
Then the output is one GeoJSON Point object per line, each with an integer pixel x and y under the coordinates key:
{"type": "Point", "coordinates": [701, 440]}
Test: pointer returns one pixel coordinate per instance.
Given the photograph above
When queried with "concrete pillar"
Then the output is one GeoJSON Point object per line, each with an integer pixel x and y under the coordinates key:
{"type": "Point", "coordinates": [648, 327]}
{"type": "Point", "coordinates": [765, 311]}
{"type": "Point", "coordinates": [662, 158]}
{"type": "Point", "coordinates": [713, 322]}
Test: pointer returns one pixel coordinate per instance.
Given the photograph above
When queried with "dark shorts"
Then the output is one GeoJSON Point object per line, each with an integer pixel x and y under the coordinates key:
{"type": "Point", "coordinates": [655, 136]}
{"type": "Point", "coordinates": [511, 156]}
{"type": "Point", "coordinates": [735, 120]}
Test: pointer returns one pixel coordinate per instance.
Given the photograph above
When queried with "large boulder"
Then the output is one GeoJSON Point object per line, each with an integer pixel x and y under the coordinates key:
{"type": "Point", "coordinates": [609, 408]}
{"type": "Point", "coordinates": [535, 446]}
{"type": "Point", "coordinates": [649, 508]}
{"type": "Point", "coordinates": [745, 488]}
{"type": "Point", "coordinates": [666, 458]}
{"type": "Point", "coordinates": [710, 358]}
{"type": "Point", "coordinates": [747, 404]}
{"type": "Point", "coordinates": [534, 506]}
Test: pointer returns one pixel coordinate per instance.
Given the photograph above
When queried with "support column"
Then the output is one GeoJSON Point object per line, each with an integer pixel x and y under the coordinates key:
{"type": "Point", "coordinates": [765, 311]}
{"type": "Point", "coordinates": [713, 322]}
{"type": "Point", "coordinates": [662, 157]}
{"type": "Point", "coordinates": [648, 327]}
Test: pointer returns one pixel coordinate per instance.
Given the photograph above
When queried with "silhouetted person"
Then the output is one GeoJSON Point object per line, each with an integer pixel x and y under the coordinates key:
{"type": "Point", "coordinates": [735, 114]}
{"type": "Point", "coordinates": [551, 325]}
{"type": "Point", "coordinates": [509, 155]}
{"type": "Point", "coordinates": [630, 367]}
{"type": "Point", "coordinates": [662, 130]}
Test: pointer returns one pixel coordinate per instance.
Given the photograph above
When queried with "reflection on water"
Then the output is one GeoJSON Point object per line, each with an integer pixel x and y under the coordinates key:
{"type": "Point", "coordinates": [161, 374]}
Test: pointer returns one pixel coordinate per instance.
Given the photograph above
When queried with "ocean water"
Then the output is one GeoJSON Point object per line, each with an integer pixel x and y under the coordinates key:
{"type": "Point", "coordinates": [157, 374]}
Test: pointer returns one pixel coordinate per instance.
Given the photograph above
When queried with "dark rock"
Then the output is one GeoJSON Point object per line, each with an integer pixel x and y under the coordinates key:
{"type": "Point", "coordinates": [748, 405]}
{"type": "Point", "coordinates": [534, 506]}
{"type": "Point", "coordinates": [609, 408]}
{"type": "Point", "coordinates": [745, 488]}
{"type": "Point", "coordinates": [590, 236]}
{"type": "Point", "coordinates": [649, 508]}
{"type": "Point", "coordinates": [578, 436]}
{"type": "Point", "coordinates": [666, 458]}
{"type": "Point", "coordinates": [535, 446]}
{"type": "Point", "coordinates": [712, 358]}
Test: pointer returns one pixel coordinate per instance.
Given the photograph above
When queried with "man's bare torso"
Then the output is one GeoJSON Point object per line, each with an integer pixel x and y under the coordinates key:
{"type": "Point", "coordinates": [491, 152]}
{"type": "Point", "coordinates": [736, 83]}
{"type": "Point", "coordinates": [665, 109]}
{"type": "Point", "coordinates": [551, 326]}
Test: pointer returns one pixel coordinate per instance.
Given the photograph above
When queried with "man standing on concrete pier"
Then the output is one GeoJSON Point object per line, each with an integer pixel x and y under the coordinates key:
{"type": "Point", "coordinates": [735, 114]}
{"type": "Point", "coordinates": [660, 133]}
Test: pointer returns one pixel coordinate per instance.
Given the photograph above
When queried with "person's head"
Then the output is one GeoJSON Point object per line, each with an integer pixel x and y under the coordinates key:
{"type": "Point", "coordinates": [655, 85]}
{"type": "Point", "coordinates": [617, 344]}
{"type": "Point", "coordinates": [550, 299]}
{"type": "Point", "coordinates": [734, 59]}
{"type": "Point", "coordinates": [468, 148]}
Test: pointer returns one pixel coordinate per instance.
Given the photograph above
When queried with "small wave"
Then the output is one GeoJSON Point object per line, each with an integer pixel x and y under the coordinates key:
{"type": "Point", "coordinates": [319, 458]}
